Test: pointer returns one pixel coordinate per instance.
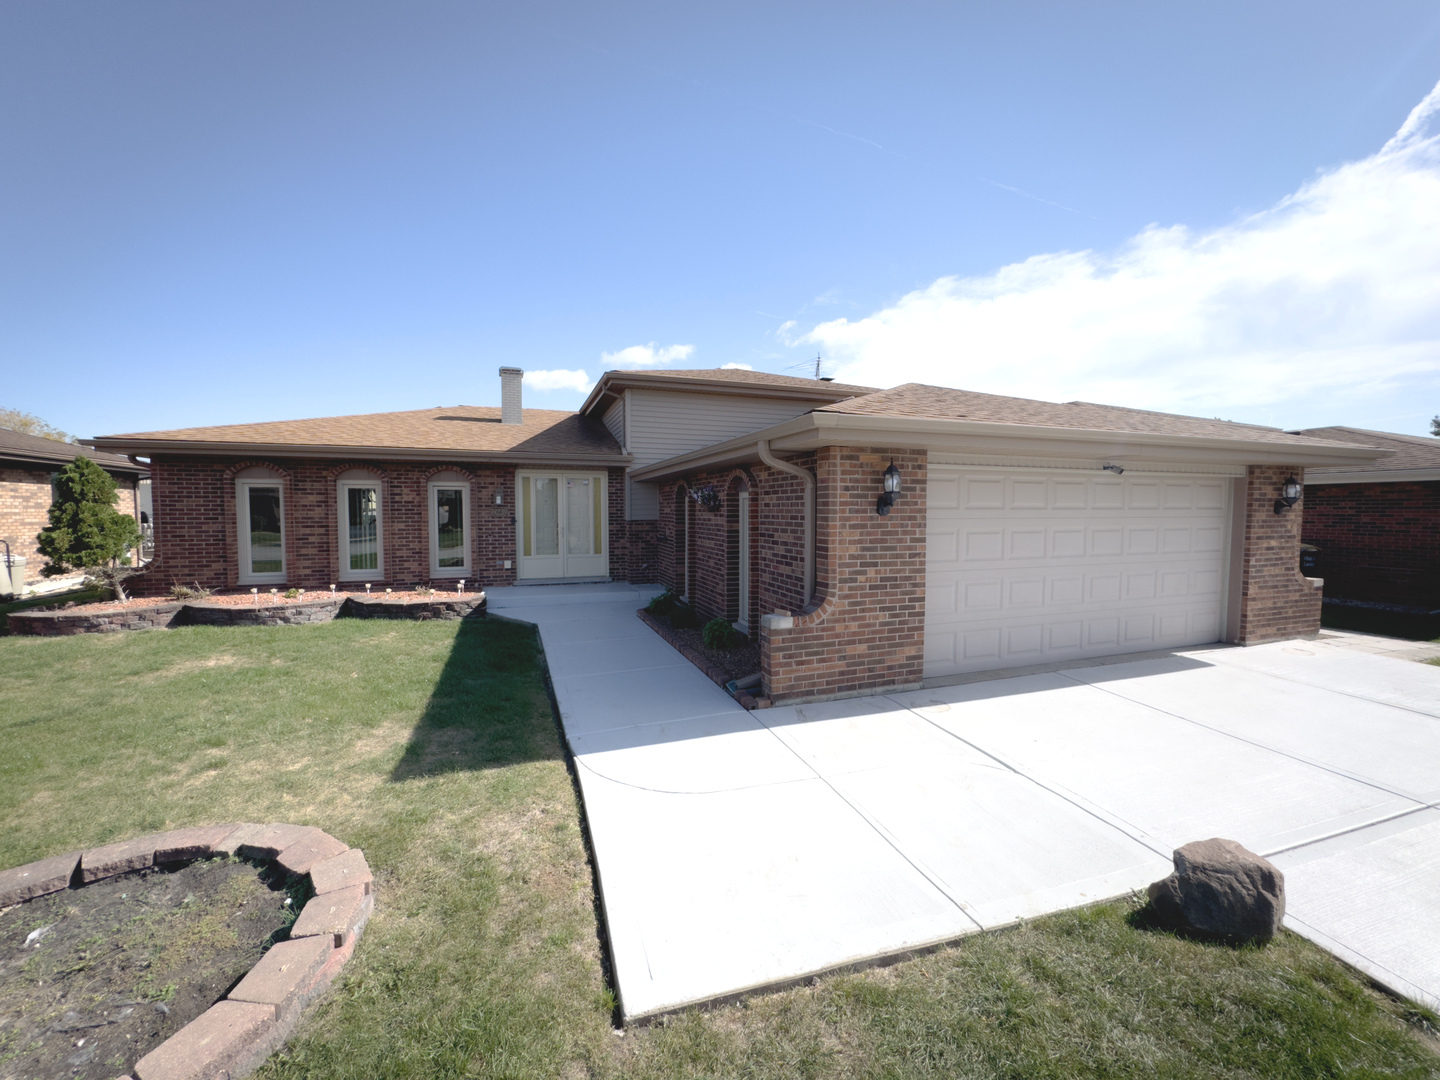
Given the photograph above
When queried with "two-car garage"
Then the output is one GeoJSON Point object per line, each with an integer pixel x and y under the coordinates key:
{"type": "Point", "coordinates": [1036, 566]}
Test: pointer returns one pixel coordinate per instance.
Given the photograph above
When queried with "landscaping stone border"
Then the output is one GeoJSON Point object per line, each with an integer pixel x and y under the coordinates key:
{"type": "Point", "coordinates": [298, 613]}
{"type": "Point", "coordinates": [237, 1033]}
{"type": "Point", "coordinates": [64, 622]}
{"type": "Point", "coordinates": [711, 672]}
{"type": "Point", "coordinates": [439, 606]}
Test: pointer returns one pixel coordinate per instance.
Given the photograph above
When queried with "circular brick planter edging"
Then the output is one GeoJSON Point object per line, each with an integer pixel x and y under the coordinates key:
{"type": "Point", "coordinates": [67, 622]}
{"type": "Point", "coordinates": [237, 1033]}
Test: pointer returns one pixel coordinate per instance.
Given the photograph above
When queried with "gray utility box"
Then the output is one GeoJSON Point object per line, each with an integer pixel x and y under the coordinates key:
{"type": "Point", "coordinates": [12, 574]}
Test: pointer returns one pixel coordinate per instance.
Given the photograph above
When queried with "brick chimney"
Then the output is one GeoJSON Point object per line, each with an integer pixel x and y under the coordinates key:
{"type": "Point", "coordinates": [510, 410]}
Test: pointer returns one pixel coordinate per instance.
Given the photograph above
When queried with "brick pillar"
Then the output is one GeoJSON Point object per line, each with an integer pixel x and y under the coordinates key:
{"type": "Point", "coordinates": [865, 629]}
{"type": "Point", "coordinates": [1276, 600]}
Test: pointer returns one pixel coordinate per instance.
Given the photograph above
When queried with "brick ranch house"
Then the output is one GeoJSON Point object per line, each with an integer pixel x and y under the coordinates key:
{"type": "Point", "coordinates": [1025, 532]}
{"type": "Point", "coordinates": [1377, 524]}
{"type": "Point", "coordinates": [28, 465]}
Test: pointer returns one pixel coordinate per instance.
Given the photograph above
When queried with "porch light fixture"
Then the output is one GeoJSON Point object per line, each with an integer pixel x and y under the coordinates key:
{"type": "Point", "coordinates": [891, 480]}
{"type": "Point", "coordinates": [1290, 493]}
{"type": "Point", "coordinates": [707, 497]}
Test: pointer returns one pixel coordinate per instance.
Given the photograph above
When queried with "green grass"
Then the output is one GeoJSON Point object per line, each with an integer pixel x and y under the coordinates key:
{"type": "Point", "coordinates": [432, 746]}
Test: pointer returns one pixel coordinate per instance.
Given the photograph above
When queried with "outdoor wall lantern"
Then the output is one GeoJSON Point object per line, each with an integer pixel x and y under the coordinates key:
{"type": "Point", "coordinates": [1290, 492]}
{"type": "Point", "coordinates": [707, 497]}
{"type": "Point", "coordinates": [892, 489]}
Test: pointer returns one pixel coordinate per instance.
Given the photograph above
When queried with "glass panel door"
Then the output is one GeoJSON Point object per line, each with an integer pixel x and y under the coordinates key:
{"type": "Point", "coordinates": [363, 524]}
{"type": "Point", "coordinates": [547, 515]}
{"type": "Point", "coordinates": [450, 527]}
{"type": "Point", "coordinates": [561, 526]}
{"type": "Point", "coordinates": [267, 550]}
{"type": "Point", "coordinates": [577, 516]}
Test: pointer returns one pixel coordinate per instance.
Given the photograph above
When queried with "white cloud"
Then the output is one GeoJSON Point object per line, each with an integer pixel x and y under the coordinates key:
{"type": "Point", "coordinates": [646, 356]}
{"type": "Point", "coordinates": [736, 367]}
{"type": "Point", "coordinates": [559, 379]}
{"type": "Point", "coordinates": [1330, 296]}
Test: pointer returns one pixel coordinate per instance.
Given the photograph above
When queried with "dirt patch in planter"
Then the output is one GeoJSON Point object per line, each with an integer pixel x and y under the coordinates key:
{"type": "Point", "coordinates": [92, 979]}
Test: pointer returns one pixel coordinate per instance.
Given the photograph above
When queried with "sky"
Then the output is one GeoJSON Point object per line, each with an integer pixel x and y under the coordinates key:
{"type": "Point", "coordinates": [230, 213]}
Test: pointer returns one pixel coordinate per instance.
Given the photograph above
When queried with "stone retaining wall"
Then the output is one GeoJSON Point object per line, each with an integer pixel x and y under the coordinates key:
{"type": "Point", "coordinates": [65, 622]}
{"type": "Point", "coordinates": [199, 613]}
{"type": "Point", "coordinates": [440, 606]}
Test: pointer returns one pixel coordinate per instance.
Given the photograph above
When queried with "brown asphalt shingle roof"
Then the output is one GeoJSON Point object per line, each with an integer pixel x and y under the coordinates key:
{"type": "Point", "coordinates": [17, 446]}
{"type": "Point", "coordinates": [460, 428]}
{"type": "Point", "coordinates": [757, 378]}
{"type": "Point", "coordinates": [1411, 451]}
{"type": "Point", "coordinates": [942, 403]}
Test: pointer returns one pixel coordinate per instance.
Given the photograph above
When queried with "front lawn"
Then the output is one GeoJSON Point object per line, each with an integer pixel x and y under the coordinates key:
{"type": "Point", "coordinates": [432, 746]}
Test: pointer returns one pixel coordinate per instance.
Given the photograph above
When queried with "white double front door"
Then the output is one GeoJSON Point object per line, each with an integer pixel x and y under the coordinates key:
{"type": "Point", "coordinates": [561, 525]}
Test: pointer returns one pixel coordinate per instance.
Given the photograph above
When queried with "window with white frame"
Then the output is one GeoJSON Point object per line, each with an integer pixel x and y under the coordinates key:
{"type": "Point", "coordinates": [362, 547]}
{"type": "Point", "coordinates": [260, 507]}
{"type": "Point", "coordinates": [449, 502]}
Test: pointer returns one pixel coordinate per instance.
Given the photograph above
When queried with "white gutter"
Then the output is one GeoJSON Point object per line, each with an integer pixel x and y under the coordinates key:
{"type": "Point", "coordinates": [762, 448]}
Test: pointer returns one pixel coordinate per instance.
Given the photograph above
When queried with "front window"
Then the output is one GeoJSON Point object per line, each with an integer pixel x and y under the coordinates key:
{"type": "Point", "coordinates": [361, 550]}
{"type": "Point", "coordinates": [449, 530]}
{"type": "Point", "coordinates": [262, 532]}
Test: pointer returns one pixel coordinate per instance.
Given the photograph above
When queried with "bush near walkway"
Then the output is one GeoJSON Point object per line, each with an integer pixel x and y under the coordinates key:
{"type": "Point", "coordinates": [432, 746]}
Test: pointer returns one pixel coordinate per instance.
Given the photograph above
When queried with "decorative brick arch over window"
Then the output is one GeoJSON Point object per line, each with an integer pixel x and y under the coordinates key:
{"type": "Point", "coordinates": [334, 474]}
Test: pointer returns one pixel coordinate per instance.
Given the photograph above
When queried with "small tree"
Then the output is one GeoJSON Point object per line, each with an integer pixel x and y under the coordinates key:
{"type": "Point", "coordinates": [86, 532]}
{"type": "Point", "coordinates": [1435, 425]}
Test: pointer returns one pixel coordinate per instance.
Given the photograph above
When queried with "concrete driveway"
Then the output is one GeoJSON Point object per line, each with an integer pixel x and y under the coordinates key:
{"type": "Point", "coordinates": [743, 850]}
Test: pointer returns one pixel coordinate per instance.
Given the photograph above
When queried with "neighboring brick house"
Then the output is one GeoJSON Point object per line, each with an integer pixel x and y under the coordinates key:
{"type": "Point", "coordinates": [1377, 525]}
{"type": "Point", "coordinates": [1025, 532]}
{"type": "Point", "coordinates": [28, 464]}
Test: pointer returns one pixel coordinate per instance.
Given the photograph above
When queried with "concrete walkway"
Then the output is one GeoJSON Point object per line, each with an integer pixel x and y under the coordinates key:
{"type": "Point", "coordinates": [742, 850]}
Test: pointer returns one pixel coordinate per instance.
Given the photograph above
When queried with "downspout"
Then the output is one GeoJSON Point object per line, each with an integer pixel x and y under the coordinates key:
{"type": "Point", "coordinates": [763, 449]}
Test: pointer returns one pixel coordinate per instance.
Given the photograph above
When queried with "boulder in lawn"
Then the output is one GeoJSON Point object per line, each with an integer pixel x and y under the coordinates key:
{"type": "Point", "coordinates": [1221, 889]}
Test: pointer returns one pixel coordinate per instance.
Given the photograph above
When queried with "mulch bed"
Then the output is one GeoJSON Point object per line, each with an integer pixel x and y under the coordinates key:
{"type": "Point", "coordinates": [720, 665]}
{"type": "Point", "coordinates": [92, 979]}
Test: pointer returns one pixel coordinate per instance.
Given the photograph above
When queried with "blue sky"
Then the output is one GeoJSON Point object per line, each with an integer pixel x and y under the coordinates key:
{"type": "Point", "coordinates": [214, 214]}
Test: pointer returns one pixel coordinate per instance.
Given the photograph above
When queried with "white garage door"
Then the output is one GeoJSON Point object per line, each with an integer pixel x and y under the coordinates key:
{"type": "Point", "coordinates": [1036, 567]}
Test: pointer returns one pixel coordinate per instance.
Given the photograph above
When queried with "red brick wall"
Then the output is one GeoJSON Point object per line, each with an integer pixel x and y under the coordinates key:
{"type": "Point", "coordinates": [1378, 542]}
{"type": "Point", "coordinates": [25, 510]}
{"type": "Point", "coordinates": [195, 522]}
{"type": "Point", "coordinates": [865, 629]}
{"type": "Point", "coordinates": [1276, 600]}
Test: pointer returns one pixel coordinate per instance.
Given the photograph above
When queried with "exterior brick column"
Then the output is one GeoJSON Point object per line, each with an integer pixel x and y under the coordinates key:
{"type": "Point", "coordinates": [1276, 600]}
{"type": "Point", "coordinates": [865, 629]}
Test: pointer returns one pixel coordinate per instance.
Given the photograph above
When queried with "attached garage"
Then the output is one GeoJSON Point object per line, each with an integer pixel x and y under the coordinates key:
{"type": "Point", "coordinates": [1034, 566]}
{"type": "Point", "coordinates": [1022, 533]}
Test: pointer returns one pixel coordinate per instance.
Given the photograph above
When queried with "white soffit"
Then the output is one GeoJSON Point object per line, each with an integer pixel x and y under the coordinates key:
{"type": "Point", "coordinates": [990, 461]}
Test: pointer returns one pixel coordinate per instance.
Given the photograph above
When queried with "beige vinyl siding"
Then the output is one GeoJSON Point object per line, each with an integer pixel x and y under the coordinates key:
{"type": "Point", "coordinates": [664, 423]}
{"type": "Point", "coordinates": [614, 420]}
